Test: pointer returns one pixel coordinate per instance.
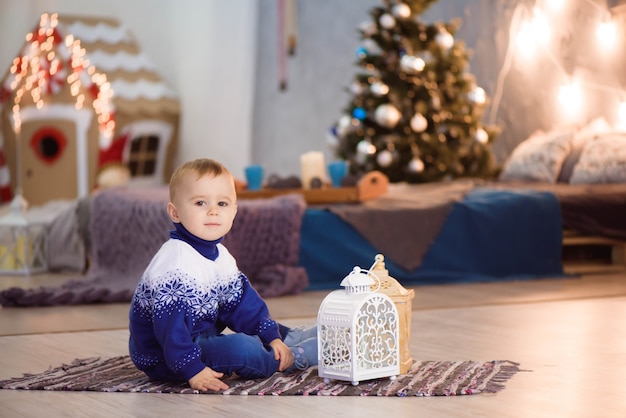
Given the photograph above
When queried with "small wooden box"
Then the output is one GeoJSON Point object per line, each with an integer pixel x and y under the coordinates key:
{"type": "Point", "coordinates": [370, 186]}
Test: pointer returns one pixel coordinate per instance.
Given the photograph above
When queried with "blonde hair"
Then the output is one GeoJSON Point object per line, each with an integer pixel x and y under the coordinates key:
{"type": "Point", "coordinates": [200, 167]}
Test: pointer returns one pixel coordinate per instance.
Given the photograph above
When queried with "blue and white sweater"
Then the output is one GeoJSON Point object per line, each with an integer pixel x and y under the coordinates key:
{"type": "Point", "coordinates": [183, 294]}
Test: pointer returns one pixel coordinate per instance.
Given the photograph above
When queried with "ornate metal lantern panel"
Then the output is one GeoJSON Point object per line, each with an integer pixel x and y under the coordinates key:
{"type": "Point", "coordinates": [23, 248]}
{"type": "Point", "coordinates": [358, 332]}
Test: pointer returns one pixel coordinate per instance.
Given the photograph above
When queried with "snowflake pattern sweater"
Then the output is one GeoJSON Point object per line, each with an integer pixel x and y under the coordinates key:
{"type": "Point", "coordinates": [181, 295]}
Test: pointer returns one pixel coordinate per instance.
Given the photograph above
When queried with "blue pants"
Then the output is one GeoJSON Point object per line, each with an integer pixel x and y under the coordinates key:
{"type": "Point", "coordinates": [238, 353]}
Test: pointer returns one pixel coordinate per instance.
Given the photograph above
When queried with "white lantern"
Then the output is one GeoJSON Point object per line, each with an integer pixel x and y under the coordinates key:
{"type": "Point", "coordinates": [23, 248]}
{"type": "Point", "coordinates": [358, 331]}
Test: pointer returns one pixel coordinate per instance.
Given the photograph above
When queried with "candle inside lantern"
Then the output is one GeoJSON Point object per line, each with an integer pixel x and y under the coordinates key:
{"type": "Point", "coordinates": [312, 165]}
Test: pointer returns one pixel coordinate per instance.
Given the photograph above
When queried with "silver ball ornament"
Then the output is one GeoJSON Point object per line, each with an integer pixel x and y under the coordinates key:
{"type": "Point", "coordinates": [481, 136]}
{"type": "Point", "coordinates": [356, 88]}
{"type": "Point", "coordinates": [368, 28]}
{"type": "Point", "coordinates": [379, 89]}
{"type": "Point", "coordinates": [343, 125]}
{"type": "Point", "coordinates": [371, 46]}
{"type": "Point", "coordinates": [401, 10]}
{"type": "Point", "coordinates": [418, 123]}
{"type": "Point", "coordinates": [387, 21]}
{"type": "Point", "coordinates": [477, 95]}
{"type": "Point", "coordinates": [365, 148]}
{"type": "Point", "coordinates": [387, 115]}
{"type": "Point", "coordinates": [384, 158]}
{"type": "Point", "coordinates": [416, 165]}
{"type": "Point", "coordinates": [411, 65]}
{"type": "Point", "coordinates": [444, 40]}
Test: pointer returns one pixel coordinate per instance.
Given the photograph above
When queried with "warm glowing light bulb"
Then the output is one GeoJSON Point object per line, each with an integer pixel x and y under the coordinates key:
{"type": "Point", "coordinates": [555, 5]}
{"type": "Point", "coordinates": [525, 41]}
{"type": "Point", "coordinates": [540, 26]}
{"type": "Point", "coordinates": [569, 93]}
{"type": "Point", "coordinates": [606, 33]}
{"type": "Point", "coordinates": [570, 100]}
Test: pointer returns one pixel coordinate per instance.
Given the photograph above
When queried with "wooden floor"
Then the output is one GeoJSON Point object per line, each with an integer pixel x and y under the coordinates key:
{"type": "Point", "coordinates": [569, 334]}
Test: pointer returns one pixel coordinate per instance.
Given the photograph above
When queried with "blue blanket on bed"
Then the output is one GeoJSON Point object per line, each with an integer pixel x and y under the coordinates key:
{"type": "Point", "coordinates": [489, 235]}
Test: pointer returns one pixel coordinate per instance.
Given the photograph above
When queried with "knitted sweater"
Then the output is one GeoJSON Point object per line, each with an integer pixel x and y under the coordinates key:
{"type": "Point", "coordinates": [182, 295]}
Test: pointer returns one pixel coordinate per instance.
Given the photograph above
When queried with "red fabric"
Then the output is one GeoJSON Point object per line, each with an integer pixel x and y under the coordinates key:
{"type": "Point", "coordinates": [5, 94]}
{"type": "Point", "coordinates": [114, 153]}
{"type": "Point", "coordinates": [5, 194]}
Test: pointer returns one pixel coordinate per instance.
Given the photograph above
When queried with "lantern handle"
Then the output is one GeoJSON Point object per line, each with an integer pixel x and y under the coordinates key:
{"type": "Point", "coordinates": [371, 272]}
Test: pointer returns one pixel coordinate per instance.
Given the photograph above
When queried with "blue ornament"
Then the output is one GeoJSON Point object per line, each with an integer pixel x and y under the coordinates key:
{"type": "Point", "coordinates": [359, 113]}
{"type": "Point", "coordinates": [361, 52]}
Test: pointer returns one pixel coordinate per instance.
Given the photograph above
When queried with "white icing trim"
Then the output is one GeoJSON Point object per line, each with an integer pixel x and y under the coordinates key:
{"type": "Point", "coordinates": [141, 89]}
{"type": "Point", "coordinates": [120, 60]}
{"type": "Point", "coordinates": [99, 32]}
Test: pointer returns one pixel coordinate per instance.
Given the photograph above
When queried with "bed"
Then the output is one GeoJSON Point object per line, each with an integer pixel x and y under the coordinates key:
{"type": "Point", "coordinates": [585, 167]}
{"type": "Point", "coordinates": [559, 190]}
{"type": "Point", "coordinates": [485, 231]}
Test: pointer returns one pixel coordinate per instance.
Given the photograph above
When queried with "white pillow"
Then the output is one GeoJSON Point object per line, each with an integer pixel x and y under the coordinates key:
{"type": "Point", "coordinates": [603, 160]}
{"type": "Point", "coordinates": [539, 158]}
{"type": "Point", "coordinates": [585, 134]}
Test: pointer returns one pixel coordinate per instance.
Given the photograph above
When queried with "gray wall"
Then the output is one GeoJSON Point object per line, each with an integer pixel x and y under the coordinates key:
{"type": "Point", "coordinates": [289, 123]}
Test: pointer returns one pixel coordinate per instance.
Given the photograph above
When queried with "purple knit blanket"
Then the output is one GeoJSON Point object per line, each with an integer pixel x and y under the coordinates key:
{"type": "Point", "coordinates": [128, 226]}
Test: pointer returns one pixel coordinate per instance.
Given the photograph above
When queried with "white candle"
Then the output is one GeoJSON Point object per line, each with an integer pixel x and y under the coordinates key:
{"type": "Point", "coordinates": [312, 165]}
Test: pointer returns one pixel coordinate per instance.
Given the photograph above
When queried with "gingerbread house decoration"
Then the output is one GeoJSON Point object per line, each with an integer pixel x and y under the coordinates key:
{"type": "Point", "coordinates": [79, 98]}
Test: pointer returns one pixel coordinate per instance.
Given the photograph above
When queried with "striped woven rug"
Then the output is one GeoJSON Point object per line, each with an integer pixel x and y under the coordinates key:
{"type": "Point", "coordinates": [425, 378]}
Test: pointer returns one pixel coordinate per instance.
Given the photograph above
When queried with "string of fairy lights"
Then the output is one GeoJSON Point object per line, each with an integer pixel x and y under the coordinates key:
{"type": "Point", "coordinates": [47, 63]}
{"type": "Point", "coordinates": [532, 35]}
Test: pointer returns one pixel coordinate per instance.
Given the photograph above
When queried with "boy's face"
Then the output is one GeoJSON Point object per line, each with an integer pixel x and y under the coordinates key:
{"type": "Point", "coordinates": [206, 206]}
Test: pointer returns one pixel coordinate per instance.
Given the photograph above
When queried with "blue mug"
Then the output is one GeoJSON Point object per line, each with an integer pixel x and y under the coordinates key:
{"type": "Point", "coordinates": [254, 176]}
{"type": "Point", "coordinates": [337, 171]}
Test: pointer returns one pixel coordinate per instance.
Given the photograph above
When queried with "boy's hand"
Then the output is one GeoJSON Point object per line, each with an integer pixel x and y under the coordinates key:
{"type": "Point", "coordinates": [282, 353]}
{"type": "Point", "coordinates": [208, 379]}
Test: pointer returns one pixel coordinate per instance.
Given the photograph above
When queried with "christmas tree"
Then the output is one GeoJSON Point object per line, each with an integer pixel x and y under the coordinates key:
{"type": "Point", "coordinates": [416, 111]}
